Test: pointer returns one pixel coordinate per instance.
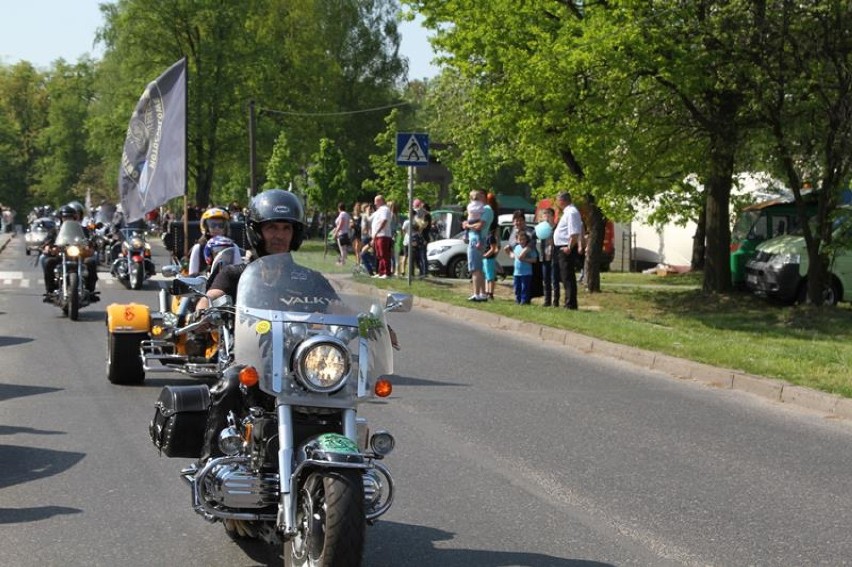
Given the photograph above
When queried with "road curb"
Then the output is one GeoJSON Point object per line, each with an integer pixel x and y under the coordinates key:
{"type": "Point", "coordinates": [830, 405]}
{"type": "Point", "coordinates": [6, 242]}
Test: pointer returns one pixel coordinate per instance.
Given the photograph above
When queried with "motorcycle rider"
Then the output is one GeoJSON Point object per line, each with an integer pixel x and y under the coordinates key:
{"type": "Point", "coordinates": [52, 259]}
{"type": "Point", "coordinates": [275, 224]}
{"type": "Point", "coordinates": [215, 221]}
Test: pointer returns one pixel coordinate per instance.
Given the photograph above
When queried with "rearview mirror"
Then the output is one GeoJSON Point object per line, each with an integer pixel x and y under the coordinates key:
{"type": "Point", "coordinates": [171, 270]}
{"type": "Point", "coordinates": [399, 302]}
{"type": "Point", "coordinates": [187, 286]}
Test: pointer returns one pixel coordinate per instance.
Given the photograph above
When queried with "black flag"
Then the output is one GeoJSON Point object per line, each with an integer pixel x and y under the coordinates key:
{"type": "Point", "coordinates": [153, 163]}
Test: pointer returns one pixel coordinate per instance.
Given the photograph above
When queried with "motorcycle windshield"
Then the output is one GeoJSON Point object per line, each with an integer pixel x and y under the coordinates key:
{"type": "Point", "coordinates": [309, 343]}
{"type": "Point", "coordinates": [104, 214]}
{"type": "Point", "coordinates": [131, 234]}
{"type": "Point", "coordinates": [71, 232]}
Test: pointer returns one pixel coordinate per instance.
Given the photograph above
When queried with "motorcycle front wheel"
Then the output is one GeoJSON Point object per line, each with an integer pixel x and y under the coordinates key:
{"type": "Point", "coordinates": [330, 521]}
{"type": "Point", "coordinates": [73, 297]}
{"type": "Point", "coordinates": [137, 276]}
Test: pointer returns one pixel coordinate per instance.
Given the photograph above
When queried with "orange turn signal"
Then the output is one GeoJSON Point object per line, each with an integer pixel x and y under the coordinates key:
{"type": "Point", "coordinates": [249, 377]}
{"type": "Point", "coordinates": [383, 388]}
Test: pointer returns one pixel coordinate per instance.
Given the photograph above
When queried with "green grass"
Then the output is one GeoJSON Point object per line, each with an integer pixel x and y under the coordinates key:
{"type": "Point", "coordinates": [806, 346]}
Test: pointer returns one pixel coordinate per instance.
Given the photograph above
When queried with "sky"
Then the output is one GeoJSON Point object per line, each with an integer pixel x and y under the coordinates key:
{"type": "Point", "coordinates": [42, 31]}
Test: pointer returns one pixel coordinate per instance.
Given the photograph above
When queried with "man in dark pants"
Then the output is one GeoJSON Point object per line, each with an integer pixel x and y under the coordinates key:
{"type": "Point", "coordinates": [566, 242]}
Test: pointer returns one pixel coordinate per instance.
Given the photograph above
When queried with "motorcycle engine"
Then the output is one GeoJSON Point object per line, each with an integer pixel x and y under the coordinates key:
{"type": "Point", "coordinates": [234, 486]}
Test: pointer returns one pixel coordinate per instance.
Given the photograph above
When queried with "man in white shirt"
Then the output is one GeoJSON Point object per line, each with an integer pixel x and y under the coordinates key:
{"type": "Point", "coordinates": [380, 228]}
{"type": "Point", "coordinates": [566, 244]}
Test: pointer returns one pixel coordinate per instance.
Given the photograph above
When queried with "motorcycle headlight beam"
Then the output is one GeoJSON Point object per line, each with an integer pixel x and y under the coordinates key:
{"type": "Point", "coordinates": [73, 251]}
{"type": "Point", "coordinates": [321, 364]}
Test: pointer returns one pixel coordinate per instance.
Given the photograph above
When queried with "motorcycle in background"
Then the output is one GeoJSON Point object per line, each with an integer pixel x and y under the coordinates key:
{"type": "Point", "coordinates": [133, 265]}
{"type": "Point", "coordinates": [140, 340]}
{"type": "Point", "coordinates": [293, 463]}
{"type": "Point", "coordinates": [72, 246]}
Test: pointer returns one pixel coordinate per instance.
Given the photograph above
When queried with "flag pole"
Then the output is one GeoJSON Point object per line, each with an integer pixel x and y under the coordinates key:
{"type": "Point", "coordinates": [186, 167]}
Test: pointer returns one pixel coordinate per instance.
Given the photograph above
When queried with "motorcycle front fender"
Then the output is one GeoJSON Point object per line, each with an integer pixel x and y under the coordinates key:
{"type": "Point", "coordinates": [329, 449]}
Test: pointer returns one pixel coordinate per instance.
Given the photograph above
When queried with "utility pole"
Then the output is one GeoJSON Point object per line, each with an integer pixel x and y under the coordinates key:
{"type": "Point", "coordinates": [252, 153]}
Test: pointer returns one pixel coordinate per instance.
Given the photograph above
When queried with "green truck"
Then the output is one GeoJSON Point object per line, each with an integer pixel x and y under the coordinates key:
{"type": "Point", "coordinates": [758, 223]}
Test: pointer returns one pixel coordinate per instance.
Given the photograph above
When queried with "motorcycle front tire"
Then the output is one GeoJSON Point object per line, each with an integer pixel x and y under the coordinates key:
{"type": "Point", "coordinates": [73, 297]}
{"type": "Point", "coordinates": [137, 276]}
{"type": "Point", "coordinates": [330, 521]}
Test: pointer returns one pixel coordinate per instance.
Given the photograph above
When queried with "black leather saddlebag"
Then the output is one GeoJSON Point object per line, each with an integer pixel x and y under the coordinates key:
{"type": "Point", "coordinates": [180, 419]}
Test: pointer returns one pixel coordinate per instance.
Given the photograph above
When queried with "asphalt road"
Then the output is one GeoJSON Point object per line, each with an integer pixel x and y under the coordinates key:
{"type": "Point", "coordinates": [509, 452]}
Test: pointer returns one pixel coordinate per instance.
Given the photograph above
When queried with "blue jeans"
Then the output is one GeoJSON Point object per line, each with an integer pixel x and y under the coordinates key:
{"type": "Point", "coordinates": [523, 288]}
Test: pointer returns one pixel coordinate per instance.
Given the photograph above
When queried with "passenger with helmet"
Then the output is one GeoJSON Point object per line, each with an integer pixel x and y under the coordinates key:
{"type": "Point", "coordinates": [214, 222]}
{"type": "Point", "coordinates": [52, 259]}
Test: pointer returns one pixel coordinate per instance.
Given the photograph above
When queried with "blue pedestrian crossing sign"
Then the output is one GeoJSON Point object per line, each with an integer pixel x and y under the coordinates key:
{"type": "Point", "coordinates": [412, 148]}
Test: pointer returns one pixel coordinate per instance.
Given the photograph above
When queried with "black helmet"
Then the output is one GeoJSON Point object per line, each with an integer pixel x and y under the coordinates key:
{"type": "Point", "coordinates": [68, 212]}
{"type": "Point", "coordinates": [274, 205]}
{"type": "Point", "coordinates": [78, 206]}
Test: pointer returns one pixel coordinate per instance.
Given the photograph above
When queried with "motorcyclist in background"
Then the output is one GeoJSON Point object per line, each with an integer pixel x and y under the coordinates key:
{"type": "Point", "coordinates": [215, 221]}
{"type": "Point", "coordinates": [52, 259]}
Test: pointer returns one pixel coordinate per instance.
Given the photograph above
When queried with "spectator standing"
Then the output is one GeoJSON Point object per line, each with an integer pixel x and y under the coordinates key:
{"type": "Point", "coordinates": [356, 231]}
{"type": "Point", "coordinates": [421, 236]}
{"type": "Point", "coordinates": [396, 235]}
{"type": "Point", "coordinates": [474, 253]}
{"type": "Point", "coordinates": [367, 210]}
{"type": "Point", "coordinates": [342, 226]}
{"type": "Point", "coordinates": [8, 219]}
{"type": "Point", "coordinates": [402, 264]}
{"type": "Point", "coordinates": [381, 230]}
{"type": "Point", "coordinates": [519, 223]}
{"type": "Point", "coordinates": [492, 248]}
{"type": "Point", "coordinates": [566, 241]}
{"type": "Point", "coordinates": [549, 268]}
{"type": "Point", "coordinates": [524, 254]}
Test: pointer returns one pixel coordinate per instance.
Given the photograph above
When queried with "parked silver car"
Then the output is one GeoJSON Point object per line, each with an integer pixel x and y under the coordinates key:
{"type": "Point", "coordinates": [448, 256]}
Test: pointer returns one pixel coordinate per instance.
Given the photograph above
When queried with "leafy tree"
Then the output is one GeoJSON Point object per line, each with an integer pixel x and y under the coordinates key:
{"type": "Point", "coordinates": [62, 142]}
{"type": "Point", "coordinates": [621, 100]}
{"type": "Point", "coordinates": [23, 106]}
{"type": "Point", "coordinates": [803, 53]}
{"type": "Point", "coordinates": [281, 170]}
{"type": "Point", "coordinates": [329, 178]}
{"type": "Point", "coordinates": [391, 180]}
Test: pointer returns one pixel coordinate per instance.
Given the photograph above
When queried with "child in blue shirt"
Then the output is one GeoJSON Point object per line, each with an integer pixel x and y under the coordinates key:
{"type": "Point", "coordinates": [525, 256]}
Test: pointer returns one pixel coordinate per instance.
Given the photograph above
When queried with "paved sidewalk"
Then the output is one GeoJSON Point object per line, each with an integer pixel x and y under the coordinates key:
{"type": "Point", "coordinates": [829, 405]}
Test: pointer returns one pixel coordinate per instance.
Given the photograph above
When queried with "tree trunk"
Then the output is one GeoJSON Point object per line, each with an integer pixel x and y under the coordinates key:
{"type": "Point", "coordinates": [594, 248]}
{"type": "Point", "coordinates": [717, 267]}
{"type": "Point", "coordinates": [699, 241]}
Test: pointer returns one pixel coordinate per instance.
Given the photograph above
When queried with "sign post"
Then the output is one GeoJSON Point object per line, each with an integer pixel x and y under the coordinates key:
{"type": "Point", "coordinates": [412, 150]}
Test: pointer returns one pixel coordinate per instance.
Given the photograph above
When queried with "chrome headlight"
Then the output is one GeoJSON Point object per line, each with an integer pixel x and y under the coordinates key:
{"type": "Point", "coordinates": [438, 250]}
{"type": "Point", "coordinates": [781, 260]}
{"type": "Point", "coordinates": [73, 251]}
{"type": "Point", "coordinates": [321, 364]}
{"type": "Point", "coordinates": [170, 319]}
{"type": "Point", "coordinates": [137, 243]}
